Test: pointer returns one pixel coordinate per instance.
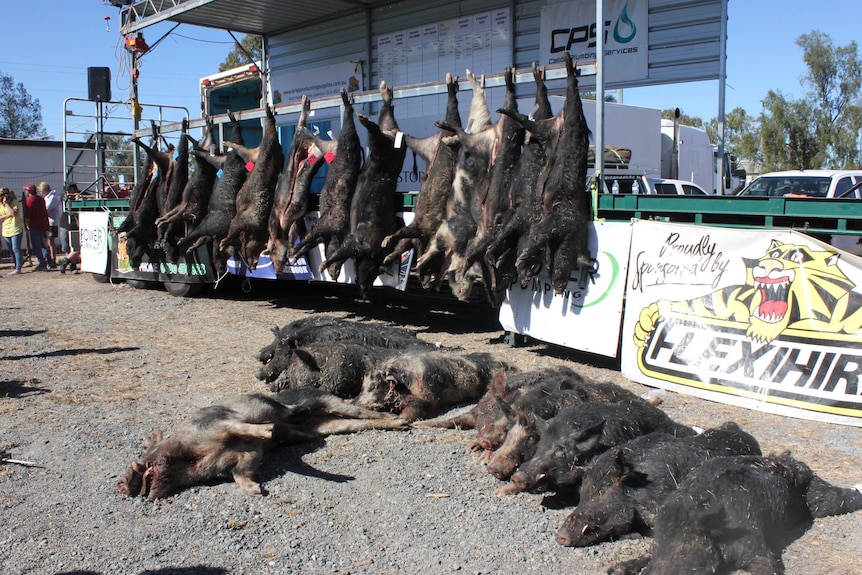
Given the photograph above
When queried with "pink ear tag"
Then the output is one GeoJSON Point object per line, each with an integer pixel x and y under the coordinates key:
{"type": "Point", "coordinates": [249, 166]}
{"type": "Point", "coordinates": [312, 159]}
{"type": "Point", "coordinates": [329, 156]}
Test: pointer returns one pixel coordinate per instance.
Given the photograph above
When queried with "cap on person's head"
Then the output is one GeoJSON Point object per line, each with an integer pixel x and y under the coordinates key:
{"type": "Point", "coordinates": [5, 191]}
{"type": "Point", "coordinates": [30, 188]}
{"type": "Point", "coordinates": [44, 187]}
{"type": "Point", "coordinates": [72, 188]}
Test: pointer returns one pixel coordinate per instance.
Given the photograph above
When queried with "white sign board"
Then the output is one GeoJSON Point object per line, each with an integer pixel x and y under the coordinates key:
{"type": "Point", "coordinates": [93, 228]}
{"type": "Point", "coordinates": [764, 319]}
{"type": "Point", "coordinates": [571, 27]}
{"type": "Point", "coordinates": [320, 82]}
{"type": "Point", "coordinates": [587, 315]}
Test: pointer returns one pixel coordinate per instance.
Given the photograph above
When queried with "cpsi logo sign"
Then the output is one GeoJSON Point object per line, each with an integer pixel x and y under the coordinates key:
{"type": "Point", "coordinates": [563, 39]}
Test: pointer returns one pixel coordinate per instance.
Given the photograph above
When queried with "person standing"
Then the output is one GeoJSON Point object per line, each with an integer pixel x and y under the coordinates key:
{"type": "Point", "coordinates": [12, 226]}
{"type": "Point", "coordinates": [54, 207]}
{"type": "Point", "coordinates": [36, 220]}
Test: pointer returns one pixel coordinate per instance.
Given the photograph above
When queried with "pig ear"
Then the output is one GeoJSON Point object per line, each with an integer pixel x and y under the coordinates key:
{"type": "Point", "coordinates": [541, 424]}
{"type": "Point", "coordinates": [306, 358]}
{"type": "Point", "coordinates": [500, 384]}
{"type": "Point", "coordinates": [590, 437]}
{"type": "Point", "coordinates": [526, 418]}
{"type": "Point", "coordinates": [628, 475]}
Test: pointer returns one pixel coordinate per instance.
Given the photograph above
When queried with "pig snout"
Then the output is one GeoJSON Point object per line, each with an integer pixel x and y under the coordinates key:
{"type": "Point", "coordinates": [524, 482]}
{"type": "Point", "coordinates": [563, 537]}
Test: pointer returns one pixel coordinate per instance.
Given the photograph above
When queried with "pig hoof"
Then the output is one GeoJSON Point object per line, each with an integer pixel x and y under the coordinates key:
{"type": "Point", "coordinates": [508, 489]}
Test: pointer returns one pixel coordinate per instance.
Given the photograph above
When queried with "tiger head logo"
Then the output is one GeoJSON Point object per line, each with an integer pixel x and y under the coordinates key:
{"type": "Point", "coordinates": [793, 286]}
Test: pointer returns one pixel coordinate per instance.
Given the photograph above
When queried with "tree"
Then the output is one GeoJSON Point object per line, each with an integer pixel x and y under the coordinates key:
{"type": "Point", "coordinates": [741, 134]}
{"type": "Point", "coordinates": [819, 130]}
{"type": "Point", "coordinates": [252, 44]}
{"type": "Point", "coordinates": [684, 119]}
{"type": "Point", "coordinates": [20, 113]}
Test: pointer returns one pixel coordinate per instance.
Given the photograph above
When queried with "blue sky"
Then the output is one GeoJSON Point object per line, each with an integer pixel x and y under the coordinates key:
{"type": "Point", "coordinates": [49, 44]}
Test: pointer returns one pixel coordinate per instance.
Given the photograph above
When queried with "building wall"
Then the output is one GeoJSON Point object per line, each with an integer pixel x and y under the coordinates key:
{"type": "Point", "coordinates": [25, 161]}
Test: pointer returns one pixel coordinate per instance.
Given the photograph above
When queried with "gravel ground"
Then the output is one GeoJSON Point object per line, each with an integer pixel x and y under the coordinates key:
{"type": "Point", "coordinates": [88, 369]}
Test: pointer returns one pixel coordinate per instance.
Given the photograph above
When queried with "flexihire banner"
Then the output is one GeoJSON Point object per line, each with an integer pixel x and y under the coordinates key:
{"type": "Point", "coordinates": [764, 319]}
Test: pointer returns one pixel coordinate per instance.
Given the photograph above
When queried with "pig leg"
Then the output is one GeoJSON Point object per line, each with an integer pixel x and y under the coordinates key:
{"type": "Point", "coordinates": [249, 430]}
{"type": "Point", "coordinates": [334, 425]}
{"type": "Point", "coordinates": [244, 471]}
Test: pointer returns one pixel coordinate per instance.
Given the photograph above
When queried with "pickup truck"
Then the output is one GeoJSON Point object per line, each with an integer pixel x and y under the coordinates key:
{"type": "Point", "coordinates": [627, 182]}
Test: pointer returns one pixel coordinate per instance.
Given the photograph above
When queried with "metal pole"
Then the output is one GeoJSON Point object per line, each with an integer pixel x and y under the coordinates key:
{"type": "Point", "coordinates": [600, 107]}
{"type": "Point", "coordinates": [722, 79]}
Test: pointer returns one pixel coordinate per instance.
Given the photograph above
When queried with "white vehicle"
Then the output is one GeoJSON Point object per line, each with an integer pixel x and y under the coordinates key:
{"type": "Point", "coordinates": [627, 182]}
{"type": "Point", "coordinates": [649, 139]}
{"type": "Point", "coordinates": [696, 159]}
{"type": "Point", "coordinates": [806, 184]}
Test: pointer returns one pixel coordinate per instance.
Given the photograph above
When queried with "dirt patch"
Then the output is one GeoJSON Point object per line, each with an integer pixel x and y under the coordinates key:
{"type": "Point", "coordinates": [88, 369]}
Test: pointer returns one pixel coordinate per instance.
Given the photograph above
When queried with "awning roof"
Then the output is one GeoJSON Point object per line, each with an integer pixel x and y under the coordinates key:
{"type": "Point", "coordinates": [263, 17]}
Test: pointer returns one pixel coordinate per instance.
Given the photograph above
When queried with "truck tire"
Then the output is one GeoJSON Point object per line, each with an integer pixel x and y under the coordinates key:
{"type": "Point", "coordinates": [101, 278]}
{"type": "Point", "coordinates": [183, 289]}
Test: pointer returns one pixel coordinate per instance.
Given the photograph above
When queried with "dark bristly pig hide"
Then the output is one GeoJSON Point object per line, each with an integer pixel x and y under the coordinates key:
{"type": "Point", "coordinates": [304, 160]}
{"type": "Point", "coordinates": [504, 141]}
{"type": "Point", "coordinates": [298, 356]}
{"type": "Point", "coordinates": [524, 198]}
{"type": "Point", "coordinates": [146, 205]}
{"type": "Point", "coordinates": [560, 233]}
{"type": "Point", "coordinates": [576, 435]}
{"type": "Point", "coordinates": [459, 226]}
{"type": "Point", "coordinates": [372, 209]}
{"type": "Point", "coordinates": [333, 225]}
{"type": "Point", "coordinates": [440, 163]}
{"type": "Point", "coordinates": [738, 513]}
{"type": "Point", "coordinates": [195, 196]}
{"type": "Point", "coordinates": [179, 178]}
{"type": "Point", "coordinates": [222, 205]}
{"type": "Point", "coordinates": [249, 228]}
{"type": "Point", "coordinates": [624, 488]}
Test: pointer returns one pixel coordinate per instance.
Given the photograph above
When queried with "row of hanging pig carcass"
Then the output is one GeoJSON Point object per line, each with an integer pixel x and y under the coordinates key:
{"type": "Point", "coordinates": [499, 201]}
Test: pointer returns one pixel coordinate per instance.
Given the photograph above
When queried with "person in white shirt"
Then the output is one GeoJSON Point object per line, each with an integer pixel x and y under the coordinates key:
{"type": "Point", "coordinates": [54, 205]}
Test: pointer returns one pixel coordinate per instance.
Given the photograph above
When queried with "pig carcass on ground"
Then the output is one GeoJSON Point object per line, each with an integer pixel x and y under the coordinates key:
{"type": "Point", "coordinates": [249, 228]}
{"type": "Point", "coordinates": [577, 434]}
{"type": "Point", "coordinates": [214, 226]}
{"type": "Point", "coordinates": [333, 225]}
{"type": "Point", "coordinates": [372, 208]}
{"type": "Point", "coordinates": [309, 336]}
{"type": "Point", "coordinates": [623, 489]}
{"type": "Point", "coordinates": [440, 164]}
{"type": "Point", "coordinates": [416, 384]}
{"type": "Point", "coordinates": [738, 513]}
{"type": "Point", "coordinates": [229, 440]}
{"type": "Point", "coordinates": [304, 159]}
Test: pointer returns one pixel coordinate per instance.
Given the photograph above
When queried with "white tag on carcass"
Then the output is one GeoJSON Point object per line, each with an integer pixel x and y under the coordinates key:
{"type": "Point", "coordinates": [399, 136]}
{"type": "Point", "coordinates": [858, 487]}
{"type": "Point", "coordinates": [311, 112]}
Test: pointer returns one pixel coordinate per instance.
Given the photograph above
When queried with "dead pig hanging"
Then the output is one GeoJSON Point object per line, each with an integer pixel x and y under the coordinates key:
{"type": "Point", "coordinates": [249, 228]}
{"type": "Point", "coordinates": [372, 211]}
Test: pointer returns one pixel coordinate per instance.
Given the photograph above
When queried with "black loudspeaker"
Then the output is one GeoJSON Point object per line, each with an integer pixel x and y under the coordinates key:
{"type": "Point", "coordinates": [99, 84]}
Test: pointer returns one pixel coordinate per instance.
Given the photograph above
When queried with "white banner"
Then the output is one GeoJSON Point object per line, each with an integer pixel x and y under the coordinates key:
{"type": "Point", "coordinates": [586, 316]}
{"type": "Point", "coordinates": [764, 319]}
{"type": "Point", "coordinates": [321, 82]}
{"type": "Point", "coordinates": [93, 228]}
{"type": "Point", "coordinates": [571, 27]}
